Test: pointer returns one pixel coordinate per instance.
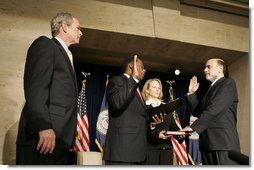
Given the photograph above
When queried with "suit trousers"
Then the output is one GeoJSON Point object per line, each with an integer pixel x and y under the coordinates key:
{"type": "Point", "coordinates": [34, 157]}
{"type": "Point", "coordinates": [159, 156]}
{"type": "Point", "coordinates": [216, 158]}
{"type": "Point", "coordinates": [122, 163]}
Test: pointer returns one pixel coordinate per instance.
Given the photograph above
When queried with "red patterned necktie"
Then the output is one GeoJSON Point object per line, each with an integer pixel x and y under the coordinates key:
{"type": "Point", "coordinates": [141, 98]}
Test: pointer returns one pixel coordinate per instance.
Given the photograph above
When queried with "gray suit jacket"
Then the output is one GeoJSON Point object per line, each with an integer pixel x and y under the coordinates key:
{"type": "Point", "coordinates": [217, 114]}
{"type": "Point", "coordinates": [51, 94]}
{"type": "Point", "coordinates": [126, 135]}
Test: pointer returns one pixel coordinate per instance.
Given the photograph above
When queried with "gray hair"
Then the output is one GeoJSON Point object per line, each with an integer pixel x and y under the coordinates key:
{"type": "Point", "coordinates": [223, 64]}
{"type": "Point", "coordinates": [58, 20]}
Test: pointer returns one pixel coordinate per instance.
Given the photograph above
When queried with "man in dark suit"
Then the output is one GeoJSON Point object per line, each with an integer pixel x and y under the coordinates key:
{"type": "Point", "coordinates": [126, 135]}
{"type": "Point", "coordinates": [47, 124]}
{"type": "Point", "coordinates": [217, 114]}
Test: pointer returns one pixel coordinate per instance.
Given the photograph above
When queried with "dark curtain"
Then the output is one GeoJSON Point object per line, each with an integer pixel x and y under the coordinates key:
{"type": "Point", "coordinates": [95, 88]}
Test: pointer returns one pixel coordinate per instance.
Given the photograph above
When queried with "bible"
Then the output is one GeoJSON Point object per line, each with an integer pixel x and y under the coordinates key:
{"type": "Point", "coordinates": [165, 108]}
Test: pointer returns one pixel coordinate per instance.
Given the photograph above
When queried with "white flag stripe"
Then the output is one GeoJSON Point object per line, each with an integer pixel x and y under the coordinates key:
{"type": "Point", "coordinates": [180, 149]}
{"type": "Point", "coordinates": [83, 134]}
{"type": "Point", "coordinates": [84, 141]}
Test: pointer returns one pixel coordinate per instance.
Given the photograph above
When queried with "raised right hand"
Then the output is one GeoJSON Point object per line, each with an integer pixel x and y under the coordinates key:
{"type": "Point", "coordinates": [193, 86]}
{"type": "Point", "coordinates": [135, 72]}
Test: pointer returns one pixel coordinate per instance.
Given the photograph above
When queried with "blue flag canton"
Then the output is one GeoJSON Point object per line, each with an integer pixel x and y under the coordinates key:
{"type": "Point", "coordinates": [82, 102]}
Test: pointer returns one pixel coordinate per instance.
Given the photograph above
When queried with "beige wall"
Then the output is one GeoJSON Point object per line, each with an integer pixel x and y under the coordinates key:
{"type": "Point", "coordinates": [22, 21]}
{"type": "Point", "coordinates": [239, 71]}
{"type": "Point", "coordinates": [195, 25]}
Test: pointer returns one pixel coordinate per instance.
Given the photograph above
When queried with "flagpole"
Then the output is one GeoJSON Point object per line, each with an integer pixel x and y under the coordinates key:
{"type": "Point", "coordinates": [85, 74]}
{"type": "Point", "coordinates": [82, 143]}
{"type": "Point", "coordinates": [171, 91]}
{"type": "Point", "coordinates": [190, 158]}
{"type": "Point", "coordinates": [177, 148]}
{"type": "Point", "coordinates": [99, 145]}
{"type": "Point", "coordinates": [171, 95]}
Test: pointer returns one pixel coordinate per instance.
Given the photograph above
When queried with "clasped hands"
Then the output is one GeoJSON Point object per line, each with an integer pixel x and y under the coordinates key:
{"type": "Point", "coordinates": [187, 131]}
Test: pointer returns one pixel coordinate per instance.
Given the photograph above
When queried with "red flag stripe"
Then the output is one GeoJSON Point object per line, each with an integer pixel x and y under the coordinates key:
{"type": "Point", "coordinates": [76, 147]}
{"type": "Point", "coordinates": [83, 147]}
{"type": "Point", "coordinates": [180, 146]}
{"type": "Point", "coordinates": [85, 122]}
{"type": "Point", "coordinates": [84, 138]}
{"type": "Point", "coordinates": [83, 130]}
{"type": "Point", "coordinates": [84, 134]}
{"type": "Point", "coordinates": [181, 160]}
{"type": "Point", "coordinates": [180, 151]}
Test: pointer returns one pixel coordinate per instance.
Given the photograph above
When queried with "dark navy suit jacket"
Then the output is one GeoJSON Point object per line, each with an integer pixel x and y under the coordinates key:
{"type": "Point", "coordinates": [126, 136]}
{"type": "Point", "coordinates": [51, 94]}
{"type": "Point", "coordinates": [217, 114]}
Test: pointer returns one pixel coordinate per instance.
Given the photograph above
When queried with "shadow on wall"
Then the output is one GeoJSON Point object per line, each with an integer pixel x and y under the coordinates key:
{"type": "Point", "coordinates": [9, 148]}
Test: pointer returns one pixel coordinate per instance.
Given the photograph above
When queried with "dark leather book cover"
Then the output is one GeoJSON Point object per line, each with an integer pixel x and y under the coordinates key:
{"type": "Point", "coordinates": [165, 108]}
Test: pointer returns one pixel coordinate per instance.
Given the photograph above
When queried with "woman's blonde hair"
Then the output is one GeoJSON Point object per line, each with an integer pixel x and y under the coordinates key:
{"type": "Point", "coordinates": [146, 87]}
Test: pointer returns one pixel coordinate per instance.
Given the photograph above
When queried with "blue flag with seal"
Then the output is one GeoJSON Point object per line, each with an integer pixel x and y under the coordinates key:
{"type": "Point", "coordinates": [102, 123]}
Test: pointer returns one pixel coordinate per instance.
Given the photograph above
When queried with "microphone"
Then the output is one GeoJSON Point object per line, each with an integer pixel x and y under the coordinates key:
{"type": "Point", "coordinates": [238, 157]}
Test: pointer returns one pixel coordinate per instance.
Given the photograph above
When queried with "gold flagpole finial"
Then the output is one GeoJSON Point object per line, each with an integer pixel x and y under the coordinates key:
{"type": "Point", "coordinates": [85, 74]}
{"type": "Point", "coordinates": [171, 92]}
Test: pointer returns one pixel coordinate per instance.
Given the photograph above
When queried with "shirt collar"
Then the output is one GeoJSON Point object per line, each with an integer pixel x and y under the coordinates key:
{"type": "Point", "coordinates": [128, 76]}
{"type": "Point", "coordinates": [62, 43]}
{"type": "Point", "coordinates": [154, 104]}
{"type": "Point", "coordinates": [215, 81]}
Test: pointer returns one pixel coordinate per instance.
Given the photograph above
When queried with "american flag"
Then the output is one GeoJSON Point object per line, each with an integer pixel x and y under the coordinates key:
{"type": "Point", "coordinates": [82, 138]}
{"type": "Point", "coordinates": [179, 149]}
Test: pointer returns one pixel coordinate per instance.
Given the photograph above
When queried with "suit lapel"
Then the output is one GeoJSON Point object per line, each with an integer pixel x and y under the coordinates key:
{"type": "Point", "coordinates": [136, 93]}
{"type": "Point", "coordinates": [211, 90]}
{"type": "Point", "coordinates": [66, 58]}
